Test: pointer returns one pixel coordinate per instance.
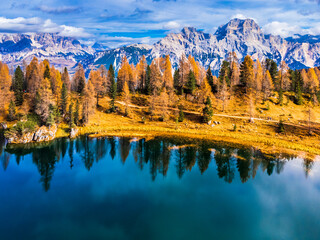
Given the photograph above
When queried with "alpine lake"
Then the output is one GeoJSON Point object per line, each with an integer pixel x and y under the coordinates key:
{"type": "Point", "coordinates": [159, 188]}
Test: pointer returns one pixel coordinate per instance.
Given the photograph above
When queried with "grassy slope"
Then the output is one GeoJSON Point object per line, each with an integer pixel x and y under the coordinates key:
{"type": "Point", "coordinates": [262, 134]}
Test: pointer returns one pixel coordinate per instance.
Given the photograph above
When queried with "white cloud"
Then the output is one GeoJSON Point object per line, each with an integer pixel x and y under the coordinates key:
{"type": "Point", "coordinates": [171, 25]}
{"type": "Point", "coordinates": [35, 25]}
{"type": "Point", "coordinates": [240, 16]}
{"type": "Point", "coordinates": [58, 10]}
{"type": "Point", "coordinates": [117, 41]}
{"type": "Point", "coordinates": [69, 31]}
{"type": "Point", "coordinates": [282, 28]}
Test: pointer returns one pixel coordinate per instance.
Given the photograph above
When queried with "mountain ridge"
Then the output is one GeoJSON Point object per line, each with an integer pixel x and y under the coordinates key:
{"type": "Point", "coordinates": [60, 51]}
{"type": "Point", "coordinates": [243, 36]}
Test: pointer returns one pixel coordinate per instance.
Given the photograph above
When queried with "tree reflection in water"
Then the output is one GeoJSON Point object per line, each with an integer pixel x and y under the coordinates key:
{"type": "Point", "coordinates": [156, 154]}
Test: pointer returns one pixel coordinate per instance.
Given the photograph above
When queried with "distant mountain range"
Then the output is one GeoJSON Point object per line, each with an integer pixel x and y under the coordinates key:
{"type": "Point", "coordinates": [61, 51]}
{"type": "Point", "coordinates": [244, 37]}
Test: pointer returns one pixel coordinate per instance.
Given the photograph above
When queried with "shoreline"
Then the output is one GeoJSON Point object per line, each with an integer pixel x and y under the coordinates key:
{"type": "Point", "coordinates": [259, 135]}
{"type": "Point", "coordinates": [269, 144]}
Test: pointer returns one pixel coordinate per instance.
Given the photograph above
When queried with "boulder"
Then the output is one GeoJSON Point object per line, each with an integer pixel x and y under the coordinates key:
{"type": "Point", "coordinates": [4, 125]}
{"type": "Point", "coordinates": [74, 132]}
{"type": "Point", "coordinates": [44, 134]}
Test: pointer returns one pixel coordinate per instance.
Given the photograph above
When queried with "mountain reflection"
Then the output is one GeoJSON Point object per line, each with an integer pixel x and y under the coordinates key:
{"type": "Point", "coordinates": [155, 154]}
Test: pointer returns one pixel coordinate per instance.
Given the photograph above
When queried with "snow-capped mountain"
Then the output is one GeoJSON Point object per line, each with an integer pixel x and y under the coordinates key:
{"type": "Point", "coordinates": [244, 37]}
{"type": "Point", "coordinates": [60, 51]}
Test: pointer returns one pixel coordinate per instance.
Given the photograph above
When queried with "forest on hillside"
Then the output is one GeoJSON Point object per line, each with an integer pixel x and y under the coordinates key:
{"type": "Point", "coordinates": [38, 94]}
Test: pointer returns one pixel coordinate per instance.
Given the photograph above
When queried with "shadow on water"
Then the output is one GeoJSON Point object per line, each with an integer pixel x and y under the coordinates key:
{"type": "Point", "coordinates": [155, 154]}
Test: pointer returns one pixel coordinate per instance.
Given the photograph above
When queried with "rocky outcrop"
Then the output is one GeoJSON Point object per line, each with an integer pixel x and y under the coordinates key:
{"type": "Point", "coordinates": [42, 134]}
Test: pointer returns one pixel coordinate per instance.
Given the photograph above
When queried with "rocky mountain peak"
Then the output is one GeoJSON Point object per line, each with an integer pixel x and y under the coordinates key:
{"type": "Point", "coordinates": [189, 32]}
{"type": "Point", "coordinates": [238, 27]}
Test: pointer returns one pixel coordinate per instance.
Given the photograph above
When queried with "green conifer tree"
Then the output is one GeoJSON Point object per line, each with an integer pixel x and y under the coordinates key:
{"type": "Point", "coordinates": [280, 96]}
{"type": "Point", "coordinates": [64, 99]}
{"type": "Point", "coordinates": [51, 117]}
{"type": "Point", "coordinates": [209, 77]}
{"type": "Point", "coordinates": [298, 96]}
{"type": "Point", "coordinates": [18, 86]}
{"type": "Point", "coordinates": [207, 111]}
{"type": "Point", "coordinates": [191, 84]}
{"type": "Point", "coordinates": [176, 81]}
{"type": "Point", "coordinates": [12, 111]}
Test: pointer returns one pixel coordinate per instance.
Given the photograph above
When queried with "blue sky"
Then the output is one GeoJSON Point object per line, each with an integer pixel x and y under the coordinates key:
{"type": "Point", "coordinates": [120, 22]}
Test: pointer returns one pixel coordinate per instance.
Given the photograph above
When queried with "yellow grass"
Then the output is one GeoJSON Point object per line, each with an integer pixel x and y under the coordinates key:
{"type": "Point", "coordinates": [261, 134]}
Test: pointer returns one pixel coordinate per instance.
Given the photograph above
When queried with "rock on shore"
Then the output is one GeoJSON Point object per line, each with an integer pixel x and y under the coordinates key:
{"type": "Point", "coordinates": [42, 134]}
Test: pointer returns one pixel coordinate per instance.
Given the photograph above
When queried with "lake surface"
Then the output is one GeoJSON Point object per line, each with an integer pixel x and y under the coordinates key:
{"type": "Point", "coordinates": [121, 188]}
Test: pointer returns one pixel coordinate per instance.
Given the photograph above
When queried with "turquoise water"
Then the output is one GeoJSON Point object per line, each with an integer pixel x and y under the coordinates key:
{"type": "Point", "coordinates": [111, 188]}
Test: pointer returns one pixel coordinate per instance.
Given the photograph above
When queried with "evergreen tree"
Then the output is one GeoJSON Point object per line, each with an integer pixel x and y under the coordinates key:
{"type": "Point", "coordinates": [209, 77]}
{"type": "Point", "coordinates": [298, 96]}
{"type": "Point", "coordinates": [207, 111]}
{"type": "Point", "coordinates": [79, 79]}
{"type": "Point", "coordinates": [224, 74]}
{"type": "Point", "coordinates": [272, 67]}
{"type": "Point", "coordinates": [81, 85]}
{"type": "Point", "coordinates": [57, 114]}
{"type": "Point", "coordinates": [176, 81]}
{"type": "Point", "coordinates": [12, 111]}
{"type": "Point", "coordinates": [64, 99]}
{"type": "Point", "coordinates": [51, 116]}
{"type": "Point", "coordinates": [36, 101]}
{"type": "Point", "coordinates": [191, 84]}
{"type": "Point", "coordinates": [18, 87]}
{"type": "Point", "coordinates": [280, 96]}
